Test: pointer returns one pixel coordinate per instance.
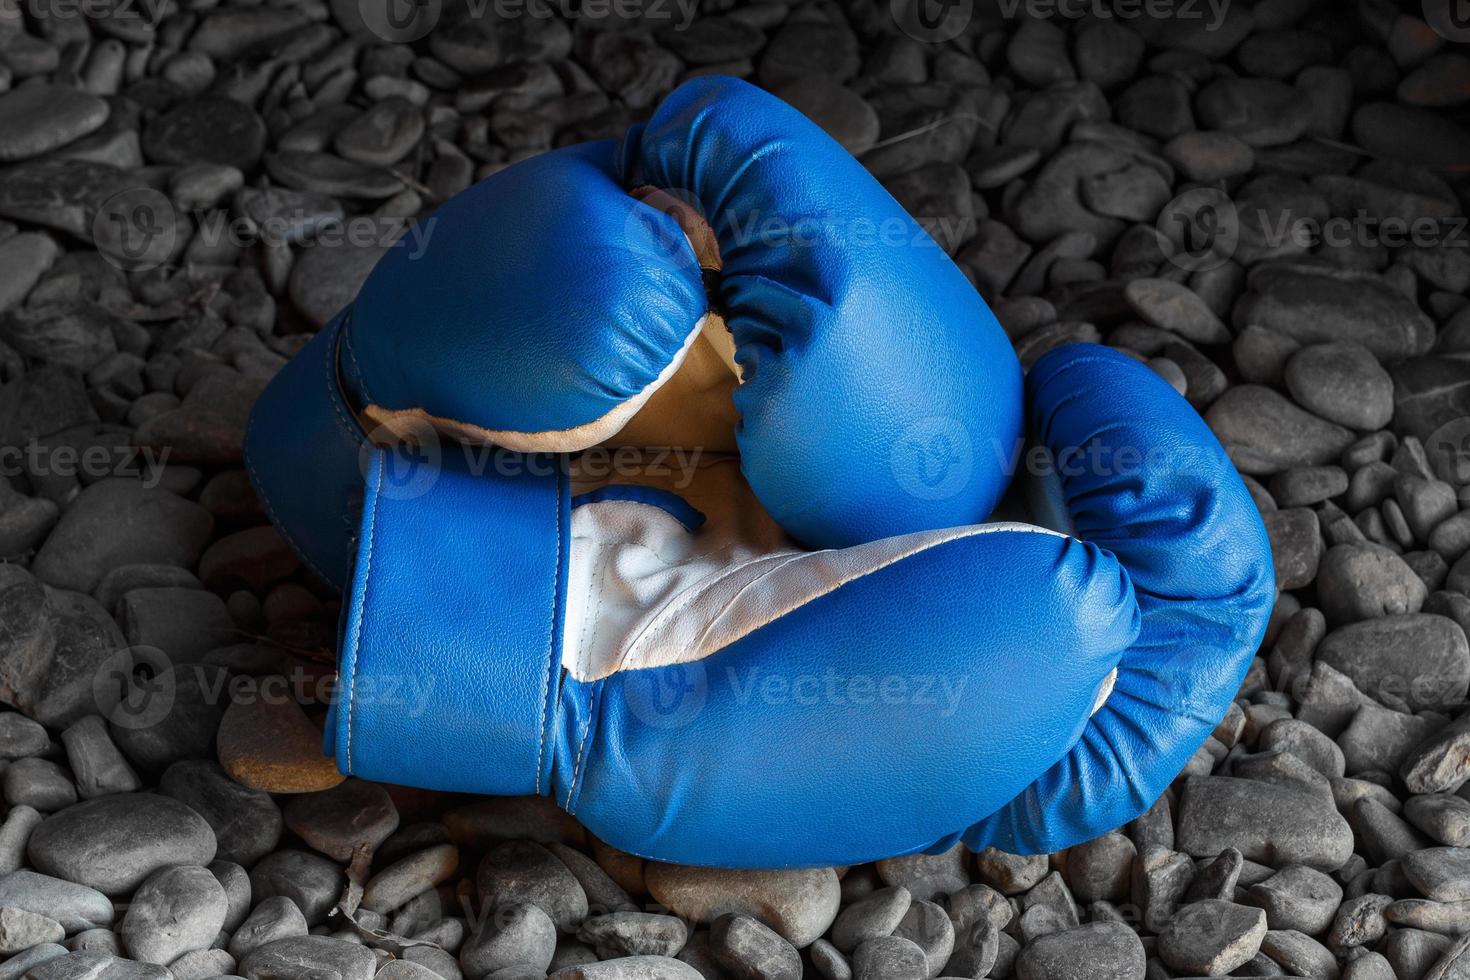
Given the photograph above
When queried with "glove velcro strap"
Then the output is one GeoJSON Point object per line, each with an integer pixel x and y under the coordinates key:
{"type": "Point", "coordinates": [451, 633]}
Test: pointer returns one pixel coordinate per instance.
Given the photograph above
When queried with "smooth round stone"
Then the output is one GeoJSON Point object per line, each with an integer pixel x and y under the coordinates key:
{"type": "Point", "coordinates": [1445, 818]}
{"type": "Point", "coordinates": [38, 783]}
{"type": "Point", "coordinates": [76, 907]}
{"type": "Point", "coordinates": [176, 910]}
{"type": "Point", "coordinates": [1364, 581]}
{"type": "Point", "coordinates": [745, 947]}
{"type": "Point", "coordinates": [1442, 874]}
{"type": "Point", "coordinates": [340, 820]}
{"type": "Point", "coordinates": [928, 926]}
{"type": "Point", "coordinates": [875, 914]}
{"type": "Point", "coordinates": [112, 843]}
{"type": "Point", "coordinates": [1420, 659]}
{"type": "Point", "coordinates": [842, 113]}
{"type": "Point", "coordinates": [1261, 111]}
{"type": "Point", "coordinates": [410, 876]}
{"type": "Point", "coordinates": [309, 958]}
{"type": "Point", "coordinates": [21, 737]}
{"type": "Point", "coordinates": [1343, 383]}
{"type": "Point", "coordinates": [20, 930]}
{"type": "Point", "coordinates": [1212, 937]}
{"type": "Point", "coordinates": [514, 934]}
{"type": "Point", "coordinates": [1264, 433]}
{"type": "Point", "coordinates": [405, 970]}
{"type": "Point", "coordinates": [327, 174]}
{"type": "Point", "coordinates": [1308, 485]}
{"type": "Point", "coordinates": [524, 872]}
{"type": "Point", "coordinates": [324, 280]}
{"type": "Point", "coordinates": [202, 964]}
{"type": "Point", "coordinates": [246, 822]}
{"type": "Point", "coordinates": [1100, 869]}
{"type": "Point", "coordinates": [1176, 308]}
{"type": "Point", "coordinates": [604, 895]}
{"type": "Point", "coordinates": [1416, 136]}
{"type": "Point", "coordinates": [383, 135]}
{"type": "Point", "coordinates": [119, 521]}
{"type": "Point", "coordinates": [1266, 822]}
{"type": "Point", "coordinates": [1010, 874]}
{"type": "Point", "coordinates": [309, 880]}
{"type": "Point", "coordinates": [276, 917]}
{"type": "Point", "coordinates": [38, 118]}
{"type": "Point", "coordinates": [235, 880]}
{"type": "Point", "coordinates": [631, 933]}
{"type": "Point", "coordinates": [799, 904]}
{"type": "Point", "coordinates": [1297, 898]}
{"type": "Point", "coordinates": [185, 731]}
{"type": "Point", "coordinates": [626, 968]}
{"type": "Point", "coordinates": [927, 876]}
{"type": "Point", "coordinates": [209, 129]}
{"type": "Point", "coordinates": [269, 744]}
{"type": "Point", "coordinates": [888, 958]}
{"type": "Point", "coordinates": [1306, 743]}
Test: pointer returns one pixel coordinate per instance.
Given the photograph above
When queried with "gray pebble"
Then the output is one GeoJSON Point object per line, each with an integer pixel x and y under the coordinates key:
{"type": "Point", "coordinates": [236, 883]}
{"type": "Point", "coordinates": [309, 880]}
{"type": "Point", "coordinates": [309, 958]}
{"type": "Point", "coordinates": [20, 736]}
{"type": "Point", "coordinates": [1364, 581]}
{"type": "Point", "coordinates": [22, 964]}
{"type": "Point", "coordinates": [1298, 954]}
{"type": "Point", "coordinates": [887, 958]}
{"type": "Point", "coordinates": [339, 820]}
{"type": "Point", "coordinates": [1098, 951]}
{"type": "Point", "coordinates": [38, 783]}
{"type": "Point", "coordinates": [875, 914]}
{"type": "Point", "coordinates": [513, 934]}
{"type": "Point", "coordinates": [1441, 816]}
{"type": "Point", "coordinates": [928, 926]}
{"type": "Point", "coordinates": [1009, 874]}
{"type": "Point", "coordinates": [1297, 897]}
{"type": "Point", "coordinates": [413, 875]}
{"type": "Point", "coordinates": [630, 933]}
{"type": "Point", "coordinates": [1265, 823]}
{"type": "Point", "coordinates": [202, 964]}
{"type": "Point", "coordinates": [175, 911]}
{"type": "Point", "coordinates": [246, 822]}
{"type": "Point", "coordinates": [927, 876]}
{"type": "Point", "coordinates": [14, 833]}
{"type": "Point", "coordinates": [1264, 433]}
{"type": "Point", "coordinates": [629, 968]}
{"type": "Point", "coordinates": [750, 950]}
{"type": "Point", "coordinates": [38, 118]}
{"type": "Point", "coordinates": [1212, 937]}
{"type": "Point", "coordinates": [1343, 383]}
{"type": "Point", "coordinates": [20, 930]}
{"type": "Point", "coordinates": [113, 842]}
{"type": "Point", "coordinates": [1419, 660]}
{"type": "Point", "coordinates": [275, 917]}
{"type": "Point", "coordinates": [1359, 921]}
{"type": "Point", "coordinates": [96, 764]}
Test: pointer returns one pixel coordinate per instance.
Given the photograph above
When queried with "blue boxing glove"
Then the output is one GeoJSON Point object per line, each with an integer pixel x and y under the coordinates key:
{"type": "Point", "coordinates": [679, 675]}
{"type": "Point", "coordinates": [726, 278]}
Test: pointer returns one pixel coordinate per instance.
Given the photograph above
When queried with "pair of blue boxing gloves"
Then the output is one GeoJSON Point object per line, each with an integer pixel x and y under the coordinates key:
{"type": "Point", "coordinates": [702, 531]}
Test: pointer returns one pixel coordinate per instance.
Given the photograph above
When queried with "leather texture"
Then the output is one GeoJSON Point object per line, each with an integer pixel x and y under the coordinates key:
{"type": "Point", "coordinates": [548, 297]}
{"type": "Point", "coordinates": [931, 692]}
{"type": "Point", "coordinates": [304, 453]}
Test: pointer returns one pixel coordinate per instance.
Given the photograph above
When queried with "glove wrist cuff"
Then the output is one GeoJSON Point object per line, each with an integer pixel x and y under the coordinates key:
{"type": "Point", "coordinates": [451, 625]}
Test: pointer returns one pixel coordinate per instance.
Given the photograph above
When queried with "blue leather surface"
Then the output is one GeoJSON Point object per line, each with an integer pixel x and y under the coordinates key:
{"type": "Point", "coordinates": [880, 396]}
{"type": "Point", "coordinates": [450, 633]}
{"type": "Point", "coordinates": [302, 451]}
{"type": "Point", "coordinates": [1181, 522]}
{"type": "Point", "coordinates": [544, 296]}
{"type": "Point", "coordinates": [948, 690]}
{"type": "Point", "coordinates": [865, 724]}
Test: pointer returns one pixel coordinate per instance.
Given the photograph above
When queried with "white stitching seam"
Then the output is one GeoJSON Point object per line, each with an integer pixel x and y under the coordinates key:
{"type": "Point", "coordinates": [551, 652]}
{"type": "Point", "coordinates": [367, 569]}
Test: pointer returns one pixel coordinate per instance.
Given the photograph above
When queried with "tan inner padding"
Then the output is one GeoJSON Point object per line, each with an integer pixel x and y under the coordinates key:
{"type": "Point", "coordinates": [690, 404]}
